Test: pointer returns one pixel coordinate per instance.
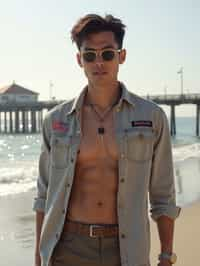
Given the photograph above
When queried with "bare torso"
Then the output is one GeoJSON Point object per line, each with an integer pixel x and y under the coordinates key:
{"type": "Point", "coordinates": [94, 192]}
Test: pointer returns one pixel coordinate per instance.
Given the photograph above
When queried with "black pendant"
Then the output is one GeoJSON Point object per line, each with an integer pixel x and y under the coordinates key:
{"type": "Point", "coordinates": [101, 130]}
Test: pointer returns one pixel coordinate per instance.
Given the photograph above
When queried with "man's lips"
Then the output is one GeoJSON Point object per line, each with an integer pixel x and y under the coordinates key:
{"type": "Point", "coordinates": [99, 72]}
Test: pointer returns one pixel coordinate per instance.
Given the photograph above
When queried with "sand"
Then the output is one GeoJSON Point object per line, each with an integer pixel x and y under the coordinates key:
{"type": "Point", "coordinates": [17, 233]}
{"type": "Point", "coordinates": [186, 237]}
{"type": "Point", "coordinates": [17, 230]}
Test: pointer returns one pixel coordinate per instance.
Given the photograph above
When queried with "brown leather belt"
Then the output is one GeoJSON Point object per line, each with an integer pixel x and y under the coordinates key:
{"type": "Point", "coordinates": [92, 230]}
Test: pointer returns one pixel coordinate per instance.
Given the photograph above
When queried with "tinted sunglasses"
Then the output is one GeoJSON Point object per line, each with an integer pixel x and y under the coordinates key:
{"type": "Point", "coordinates": [106, 54]}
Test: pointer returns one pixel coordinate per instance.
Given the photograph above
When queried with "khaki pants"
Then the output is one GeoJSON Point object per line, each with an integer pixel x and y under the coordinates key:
{"type": "Point", "coordinates": [80, 250]}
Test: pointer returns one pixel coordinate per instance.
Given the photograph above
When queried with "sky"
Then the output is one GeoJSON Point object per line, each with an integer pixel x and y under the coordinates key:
{"type": "Point", "coordinates": [161, 37]}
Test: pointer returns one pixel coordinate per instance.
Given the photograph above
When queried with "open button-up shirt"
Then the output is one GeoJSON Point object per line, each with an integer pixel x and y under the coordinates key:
{"type": "Point", "coordinates": [145, 172]}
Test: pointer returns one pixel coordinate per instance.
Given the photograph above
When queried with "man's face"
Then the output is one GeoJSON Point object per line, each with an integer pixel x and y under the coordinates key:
{"type": "Point", "coordinates": [101, 71]}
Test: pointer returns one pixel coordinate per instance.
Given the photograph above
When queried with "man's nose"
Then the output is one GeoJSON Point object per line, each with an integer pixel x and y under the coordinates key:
{"type": "Point", "coordinates": [99, 59]}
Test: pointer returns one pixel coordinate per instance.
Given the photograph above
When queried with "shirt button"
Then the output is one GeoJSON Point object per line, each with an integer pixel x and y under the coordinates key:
{"type": "Point", "coordinates": [141, 136]}
{"type": "Point", "coordinates": [68, 185]}
{"type": "Point", "coordinates": [57, 236]}
{"type": "Point", "coordinates": [118, 109]}
{"type": "Point", "coordinates": [72, 160]}
{"type": "Point", "coordinates": [122, 180]}
{"type": "Point", "coordinates": [123, 236]}
{"type": "Point", "coordinates": [120, 205]}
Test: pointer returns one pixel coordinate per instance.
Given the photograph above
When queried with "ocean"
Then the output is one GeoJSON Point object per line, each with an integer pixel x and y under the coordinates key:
{"type": "Point", "coordinates": [19, 162]}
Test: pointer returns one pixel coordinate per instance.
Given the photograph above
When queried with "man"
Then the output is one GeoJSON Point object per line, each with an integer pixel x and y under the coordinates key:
{"type": "Point", "coordinates": [103, 154]}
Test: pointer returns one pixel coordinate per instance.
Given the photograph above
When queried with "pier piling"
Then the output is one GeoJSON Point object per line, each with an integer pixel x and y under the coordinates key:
{"type": "Point", "coordinates": [5, 122]}
{"type": "Point", "coordinates": [17, 121]}
{"type": "Point", "coordinates": [197, 119]}
{"type": "Point", "coordinates": [173, 121]}
{"type": "Point", "coordinates": [10, 122]}
{"type": "Point", "coordinates": [0, 122]}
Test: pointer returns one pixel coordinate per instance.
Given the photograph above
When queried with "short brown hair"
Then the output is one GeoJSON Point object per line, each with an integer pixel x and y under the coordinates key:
{"type": "Point", "coordinates": [93, 23]}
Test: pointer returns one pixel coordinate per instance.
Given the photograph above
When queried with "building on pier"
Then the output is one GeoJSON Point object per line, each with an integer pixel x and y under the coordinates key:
{"type": "Point", "coordinates": [17, 110]}
{"type": "Point", "coordinates": [17, 94]}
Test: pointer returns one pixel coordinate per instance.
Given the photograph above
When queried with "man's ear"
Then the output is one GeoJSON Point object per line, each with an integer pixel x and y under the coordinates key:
{"type": "Point", "coordinates": [78, 57]}
{"type": "Point", "coordinates": [122, 56]}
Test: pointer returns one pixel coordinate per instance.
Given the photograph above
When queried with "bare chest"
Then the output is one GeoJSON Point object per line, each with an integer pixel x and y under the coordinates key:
{"type": "Point", "coordinates": [98, 139]}
{"type": "Point", "coordinates": [94, 192]}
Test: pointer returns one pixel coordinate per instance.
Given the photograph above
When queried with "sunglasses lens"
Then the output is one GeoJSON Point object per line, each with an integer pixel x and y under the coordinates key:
{"type": "Point", "coordinates": [108, 55]}
{"type": "Point", "coordinates": [89, 56]}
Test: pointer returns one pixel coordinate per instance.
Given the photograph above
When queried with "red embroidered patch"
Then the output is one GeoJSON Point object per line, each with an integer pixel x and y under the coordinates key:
{"type": "Point", "coordinates": [60, 126]}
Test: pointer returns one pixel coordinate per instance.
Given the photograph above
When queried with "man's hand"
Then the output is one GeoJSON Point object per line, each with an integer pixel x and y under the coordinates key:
{"type": "Point", "coordinates": [164, 263]}
{"type": "Point", "coordinates": [39, 222]}
{"type": "Point", "coordinates": [166, 230]}
{"type": "Point", "coordinates": [37, 260]}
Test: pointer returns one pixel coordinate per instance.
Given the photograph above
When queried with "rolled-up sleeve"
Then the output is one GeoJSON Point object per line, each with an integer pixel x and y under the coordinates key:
{"type": "Point", "coordinates": [42, 180]}
{"type": "Point", "coordinates": [162, 193]}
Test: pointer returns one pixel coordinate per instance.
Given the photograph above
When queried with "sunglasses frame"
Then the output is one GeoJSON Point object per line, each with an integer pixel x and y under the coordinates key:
{"type": "Point", "coordinates": [99, 52]}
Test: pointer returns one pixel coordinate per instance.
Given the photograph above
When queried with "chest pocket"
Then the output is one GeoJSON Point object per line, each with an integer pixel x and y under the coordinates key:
{"type": "Point", "coordinates": [60, 151]}
{"type": "Point", "coordinates": [139, 144]}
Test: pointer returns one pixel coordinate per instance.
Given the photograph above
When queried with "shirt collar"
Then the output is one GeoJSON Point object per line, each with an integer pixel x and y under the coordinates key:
{"type": "Point", "coordinates": [126, 95]}
{"type": "Point", "coordinates": [78, 101]}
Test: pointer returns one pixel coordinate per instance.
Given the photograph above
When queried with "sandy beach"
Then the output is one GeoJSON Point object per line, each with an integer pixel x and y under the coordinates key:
{"type": "Point", "coordinates": [17, 230]}
{"type": "Point", "coordinates": [186, 237]}
{"type": "Point", "coordinates": [17, 233]}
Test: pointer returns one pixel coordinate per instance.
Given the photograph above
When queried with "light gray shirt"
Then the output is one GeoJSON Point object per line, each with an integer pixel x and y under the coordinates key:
{"type": "Point", "coordinates": [145, 173]}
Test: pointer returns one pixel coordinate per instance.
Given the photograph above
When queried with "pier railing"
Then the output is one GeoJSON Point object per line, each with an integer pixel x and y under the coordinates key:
{"type": "Point", "coordinates": [168, 99]}
{"type": "Point", "coordinates": [40, 105]}
{"type": "Point", "coordinates": [173, 100]}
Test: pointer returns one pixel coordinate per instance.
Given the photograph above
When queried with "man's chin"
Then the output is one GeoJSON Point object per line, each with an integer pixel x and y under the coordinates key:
{"type": "Point", "coordinates": [101, 79]}
{"type": "Point", "coordinates": [101, 82]}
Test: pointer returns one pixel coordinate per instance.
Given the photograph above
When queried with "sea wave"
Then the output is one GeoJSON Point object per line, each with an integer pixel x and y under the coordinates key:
{"type": "Point", "coordinates": [17, 178]}
{"type": "Point", "coordinates": [186, 152]}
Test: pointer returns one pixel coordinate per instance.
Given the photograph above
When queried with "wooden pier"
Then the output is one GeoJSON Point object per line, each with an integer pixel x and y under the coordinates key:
{"type": "Point", "coordinates": [23, 117]}
{"type": "Point", "coordinates": [28, 117]}
{"type": "Point", "coordinates": [175, 100]}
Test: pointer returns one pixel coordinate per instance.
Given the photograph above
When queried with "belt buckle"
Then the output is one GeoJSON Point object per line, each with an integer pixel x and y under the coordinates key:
{"type": "Point", "coordinates": [91, 230]}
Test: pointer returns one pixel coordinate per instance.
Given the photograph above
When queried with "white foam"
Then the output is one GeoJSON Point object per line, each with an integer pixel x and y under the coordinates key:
{"type": "Point", "coordinates": [186, 152]}
{"type": "Point", "coordinates": [18, 178]}
{"type": "Point", "coordinates": [25, 147]}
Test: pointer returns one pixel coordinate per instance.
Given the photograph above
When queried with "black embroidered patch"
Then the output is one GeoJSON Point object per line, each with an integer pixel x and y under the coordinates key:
{"type": "Point", "coordinates": [141, 123]}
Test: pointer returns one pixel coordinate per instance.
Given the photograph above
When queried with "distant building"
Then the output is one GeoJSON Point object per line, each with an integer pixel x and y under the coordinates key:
{"type": "Point", "coordinates": [17, 94]}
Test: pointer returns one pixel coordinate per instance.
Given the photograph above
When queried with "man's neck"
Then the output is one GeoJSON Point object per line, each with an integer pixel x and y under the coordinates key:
{"type": "Point", "coordinates": [103, 96]}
